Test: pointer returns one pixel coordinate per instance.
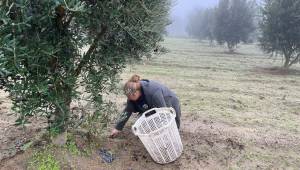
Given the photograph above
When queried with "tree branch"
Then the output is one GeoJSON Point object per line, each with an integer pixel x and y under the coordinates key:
{"type": "Point", "coordinates": [295, 60]}
{"type": "Point", "coordinates": [142, 4]}
{"type": "Point", "coordinates": [88, 54]}
{"type": "Point", "coordinates": [68, 21]}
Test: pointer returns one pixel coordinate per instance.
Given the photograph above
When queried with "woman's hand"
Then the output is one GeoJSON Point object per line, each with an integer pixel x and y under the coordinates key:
{"type": "Point", "coordinates": [114, 133]}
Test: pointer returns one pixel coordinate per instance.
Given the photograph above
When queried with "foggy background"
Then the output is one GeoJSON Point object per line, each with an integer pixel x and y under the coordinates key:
{"type": "Point", "coordinates": [180, 11]}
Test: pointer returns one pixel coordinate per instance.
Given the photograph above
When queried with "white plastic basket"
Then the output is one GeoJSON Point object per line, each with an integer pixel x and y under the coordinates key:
{"type": "Point", "coordinates": [158, 131]}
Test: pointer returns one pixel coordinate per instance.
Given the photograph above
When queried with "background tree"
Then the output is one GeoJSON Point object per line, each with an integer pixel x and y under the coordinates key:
{"type": "Point", "coordinates": [194, 25]}
{"type": "Point", "coordinates": [233, 22]}
{"type": "Point", "coordinates": [201, 25]}
{"type": "Point", "coordinates": [280, 29]}
{"type": "Point", "coordinates": [257, 19]}
{"type": "Point", "coordinates": [42, 46]}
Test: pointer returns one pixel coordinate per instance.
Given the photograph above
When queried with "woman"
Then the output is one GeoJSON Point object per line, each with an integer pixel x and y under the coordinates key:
{"type": "Point", "coordinates": [143, 95]}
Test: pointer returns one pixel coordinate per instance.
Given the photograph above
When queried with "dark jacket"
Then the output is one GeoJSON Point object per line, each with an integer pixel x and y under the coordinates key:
{"type": "Point", "coordinates": [157, 95]}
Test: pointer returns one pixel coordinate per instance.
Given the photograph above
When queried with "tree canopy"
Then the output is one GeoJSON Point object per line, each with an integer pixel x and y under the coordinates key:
{"type": "Point", "coordinates": [234, 22]}
{"type": "Point", "coordinates": [42, 52]}
{"type": "Point", "coordinates": [280, 30]}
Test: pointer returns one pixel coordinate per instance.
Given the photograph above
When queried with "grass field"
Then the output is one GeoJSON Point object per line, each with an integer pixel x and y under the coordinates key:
{"type": "Point", "coordinates": [240, 111]}
{"type": "Point", "coordinates": [227, 99]}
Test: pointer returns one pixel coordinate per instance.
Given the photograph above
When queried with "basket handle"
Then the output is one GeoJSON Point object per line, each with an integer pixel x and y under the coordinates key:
{"type": "Point", "coordinates": [151, 112]}
{"type": "Point", "coordinates": [155, 110]}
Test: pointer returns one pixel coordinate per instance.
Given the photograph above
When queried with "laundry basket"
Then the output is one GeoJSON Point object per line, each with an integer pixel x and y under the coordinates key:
{"type": "Point", "coordinates": [158, 132]}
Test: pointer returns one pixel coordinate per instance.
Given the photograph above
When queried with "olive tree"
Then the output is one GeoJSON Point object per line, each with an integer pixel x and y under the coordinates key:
{"type": "Point", "coordinates": [233, 22]}
{"type": "Point", "coordinates": [48, 48]}
{"type": "Point", "coordinates": [280, 30]}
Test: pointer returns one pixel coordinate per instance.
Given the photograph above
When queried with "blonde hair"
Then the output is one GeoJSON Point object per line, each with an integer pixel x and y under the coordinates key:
{"type": "Point", "coordinates": [132, 85]}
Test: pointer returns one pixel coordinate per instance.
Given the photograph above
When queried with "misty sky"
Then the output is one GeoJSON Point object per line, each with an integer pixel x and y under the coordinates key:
{"type": "Point", "coordinates": [180, 12]}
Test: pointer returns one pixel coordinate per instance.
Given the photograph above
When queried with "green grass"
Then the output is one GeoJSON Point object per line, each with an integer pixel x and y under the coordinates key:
{"type": "Point", "coordinates": [72, 148]}
{"type": "Point", "coordinates": [44, 160]}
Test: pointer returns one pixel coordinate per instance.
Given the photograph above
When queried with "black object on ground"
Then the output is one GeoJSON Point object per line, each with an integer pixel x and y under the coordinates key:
{"type": "Point", "coordinates": [106, 155]}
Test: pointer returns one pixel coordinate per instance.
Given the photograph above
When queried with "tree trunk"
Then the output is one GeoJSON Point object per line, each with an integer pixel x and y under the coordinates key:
{"type": "Point", "coordinates": [295, 60]}
{"type": "Point", "coordinates": [62, 109]}
{"type": "Point", "coordinates": [230, 47]}
{"type": "Point", "coordinates": [287, 61]}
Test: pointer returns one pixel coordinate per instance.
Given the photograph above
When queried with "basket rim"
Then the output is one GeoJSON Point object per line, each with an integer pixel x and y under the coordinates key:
{"type": "Point", "coordinates": [157, 130]}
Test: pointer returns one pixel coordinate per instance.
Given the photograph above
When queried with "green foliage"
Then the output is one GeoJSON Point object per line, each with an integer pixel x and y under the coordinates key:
{"type": "Point", "coordinates": [50, 48]}
{"type": "Point", "coordinates": [96, 124]}
{"type": "Point", "coordinates": [72, 148]}
{"type": "Point", "coordinates": [44, 160]}
{"type": "Point", "coordinates": [234, 22]}
{"type": "Point", "coordinates": [54, 131]}
{"type": "Point", "coordinates": [280, 29]}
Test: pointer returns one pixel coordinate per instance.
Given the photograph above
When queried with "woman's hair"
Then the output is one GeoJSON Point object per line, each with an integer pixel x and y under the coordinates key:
{"type": "Point", "coordinates": [132, 85]}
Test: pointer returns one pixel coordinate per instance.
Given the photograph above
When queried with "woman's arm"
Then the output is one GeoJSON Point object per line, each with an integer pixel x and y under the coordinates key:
{"type": "Point", "coordinates": [122, 120]}
{"type": "Point", "coordinates": [125, 116]}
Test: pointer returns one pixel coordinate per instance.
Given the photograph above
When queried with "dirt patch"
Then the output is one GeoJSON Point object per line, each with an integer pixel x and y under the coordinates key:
{"type": "Point", "coordinates": [12, 138]}
{"type": "Point", "coordinates": [207, 145]}
{"type": "Point", "coordinates": [238, 137]}
{"type": "Point", "coordinates": [202, 149]}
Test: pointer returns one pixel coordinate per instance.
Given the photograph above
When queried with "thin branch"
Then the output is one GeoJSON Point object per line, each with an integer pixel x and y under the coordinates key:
{"type": "Point", "coordinates": [295, 60]}
{"type": "Point", "coordinates": [132, 36]}
{"type": "Point", "coordinates": [92, 48]}
{"type": "Point", "coordinates": [68, 8]}
{"type": "Point", "coordinates": [143, 5]}
{"type": "Point", "coordinates": [67, 23]}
